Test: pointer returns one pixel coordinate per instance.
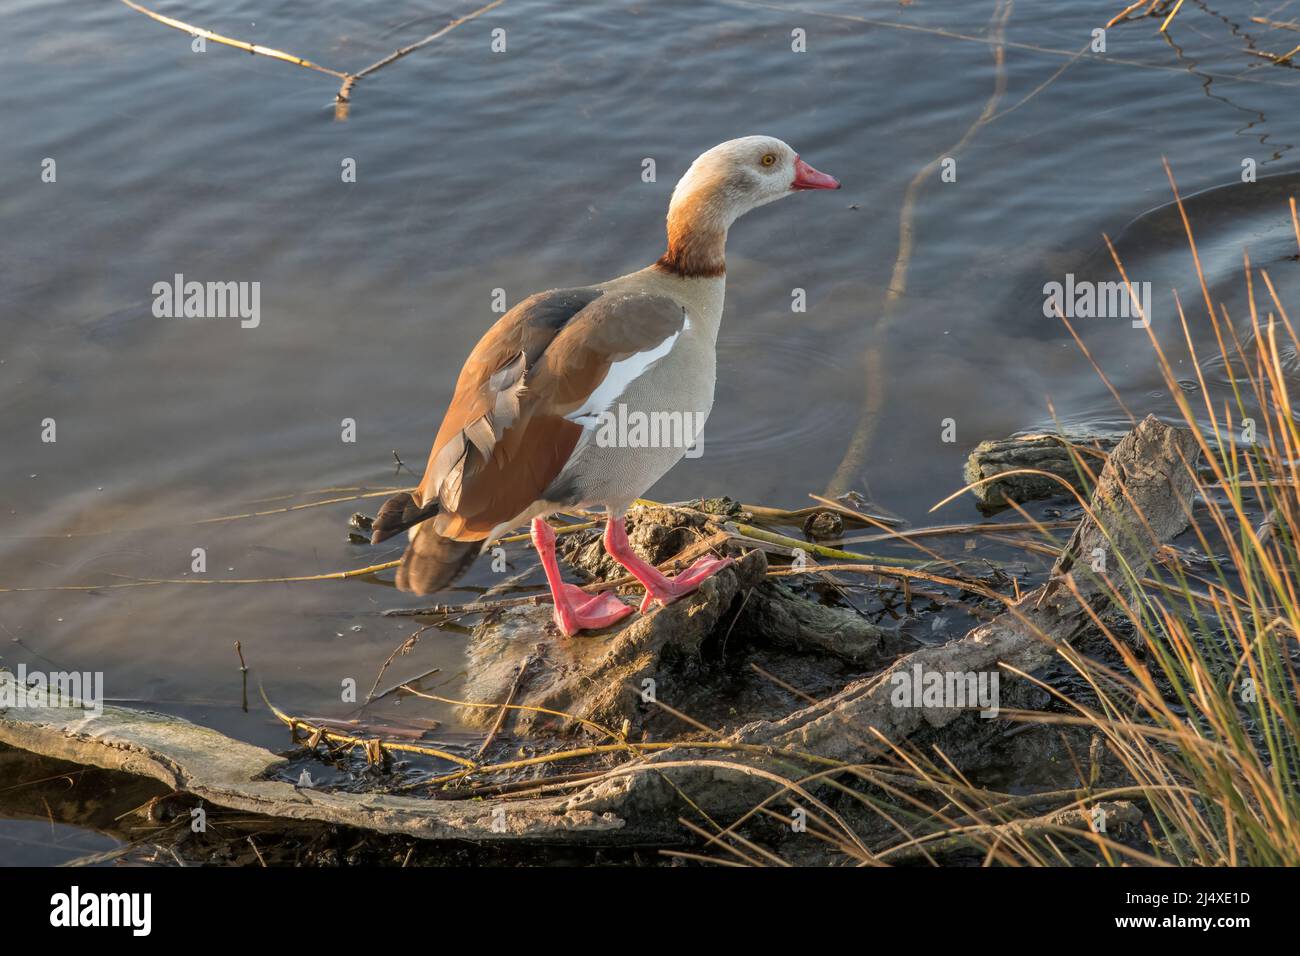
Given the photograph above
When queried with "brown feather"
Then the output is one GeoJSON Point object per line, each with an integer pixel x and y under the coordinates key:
{"type": "Point", "coordinates": [399, 513]}
{"type": "Point", "coordinates": [576, 363]}
{"type": "Point", "coordinates": [432, 562]}
{"type": "Point", "coordinates": [505, 437]}
{"type": "Point", "coordinates": [525, 330]}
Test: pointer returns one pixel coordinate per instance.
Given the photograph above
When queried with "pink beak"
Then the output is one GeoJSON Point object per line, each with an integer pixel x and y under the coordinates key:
{"type": "Point", "coordinates": [805, 177]}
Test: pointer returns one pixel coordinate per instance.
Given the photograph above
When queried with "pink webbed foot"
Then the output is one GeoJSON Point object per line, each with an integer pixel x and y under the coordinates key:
{"type": "Point", "coordinates": [666, 589]}
{"type": "Point", "coordinates": [575, 609]}
{"type": "Point", "coordinates": [658, 587]}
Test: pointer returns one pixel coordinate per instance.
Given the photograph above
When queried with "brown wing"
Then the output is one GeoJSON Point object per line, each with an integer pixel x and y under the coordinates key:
{"type": "Point", "coordinates": [618, 326]}
{"type": "Point", "coordinates": [506, 437]}
{"type": "Point", "coordinates": [492, 377]}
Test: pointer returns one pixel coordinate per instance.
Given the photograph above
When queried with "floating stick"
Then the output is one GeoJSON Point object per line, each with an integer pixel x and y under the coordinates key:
{"type": "Point", "coordinates": [344, 95]}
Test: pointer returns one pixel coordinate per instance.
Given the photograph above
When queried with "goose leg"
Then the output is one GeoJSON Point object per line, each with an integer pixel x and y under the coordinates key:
{"type": "Point", "coordinates": [575, 609]}
{"type": "Point", "coordinates": [659, 588]}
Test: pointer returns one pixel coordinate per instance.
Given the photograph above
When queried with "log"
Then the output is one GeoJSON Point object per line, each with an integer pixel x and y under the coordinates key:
{"type": "Point", "coordinates": [1143, 499]}
{"type": "Point", "coordinates": [602, 678]}
{"type": "Point", "coordinates": [772, 613]}
{"type": "Point", "coordinates": [594, 677]}
{"type": "Point", "coordinates": [776, 614]}
{"type": "Point", "coordinates": [231, 773]}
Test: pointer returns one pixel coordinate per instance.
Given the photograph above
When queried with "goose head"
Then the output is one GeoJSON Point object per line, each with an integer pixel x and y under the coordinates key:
{"type": "Point", "coordinates": [722, 185]}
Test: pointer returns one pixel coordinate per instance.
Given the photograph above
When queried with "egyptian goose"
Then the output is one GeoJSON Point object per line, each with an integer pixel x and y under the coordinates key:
{"type": "Point", "coordinates": [525, 435]}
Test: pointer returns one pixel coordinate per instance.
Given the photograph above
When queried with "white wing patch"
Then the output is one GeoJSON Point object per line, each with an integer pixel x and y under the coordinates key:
{"type": "Point", "coordinates": [620, 376]}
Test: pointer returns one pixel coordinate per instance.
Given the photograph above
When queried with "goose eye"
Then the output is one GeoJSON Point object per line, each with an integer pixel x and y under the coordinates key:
{"type": "Point", "coordinates": [769, 159]}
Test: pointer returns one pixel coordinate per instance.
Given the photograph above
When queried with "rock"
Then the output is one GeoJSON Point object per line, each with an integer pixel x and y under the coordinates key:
{"type": "Point", "coordinates": [824, 526]}
{"type": "Point", "coordinates": [1050, 453]}
{"type": "Point", "coordinates": [724, 506]}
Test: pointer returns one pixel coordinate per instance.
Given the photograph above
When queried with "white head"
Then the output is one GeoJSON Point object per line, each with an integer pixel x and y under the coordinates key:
{"type": "Point", "coordinates": [721, 186]}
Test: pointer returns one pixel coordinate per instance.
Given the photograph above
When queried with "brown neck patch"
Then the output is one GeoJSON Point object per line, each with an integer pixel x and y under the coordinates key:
{"type": "Point", "coordinates": [688, 265]}
{"type": "Point", "coordinates": [697, 245]}
{"type": "Point", "coordinates": [694, 253]}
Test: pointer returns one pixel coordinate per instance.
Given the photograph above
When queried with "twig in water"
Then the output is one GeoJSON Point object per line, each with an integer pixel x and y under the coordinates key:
{"type": "Point", "coordinates": [459, 610]}
{"type": "Point", "coordinates": [398, 54]}
{"type": "Point", "coordinates": [344, 95]}
{"type": "Point", "coordinates": [1173, 13]}
{"type": "Point", "coordinates": [402, 649]}
{"type": "Point", "coordinates": [237, 44]}
{"type": "Point", "coordinates": [243, 670]}
{"type": "Point", "coordinates": [1276, 24]}
{"type": "Point", "coordinates": [410, 680]}
{"type": "Point", "coordinates": [1129, 9]}
{"type": "Point", "coordinates": [873, 399]}
{"type": "Point", "coordinates": [401, 464]}
{"type": "Point", "coordinates": [1278, 60]}
{"type": "Point", "coordinates": [513, 582]}
{"type": "Point", "coordinates": [257, 851]}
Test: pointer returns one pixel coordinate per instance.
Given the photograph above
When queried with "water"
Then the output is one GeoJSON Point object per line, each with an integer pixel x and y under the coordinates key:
{"type": "Point", "coordinates": [521, 171]}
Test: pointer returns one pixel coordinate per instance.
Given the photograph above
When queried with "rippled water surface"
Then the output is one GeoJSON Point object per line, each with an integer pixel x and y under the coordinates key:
{"type": "Point", "coordinates": [522, 171]}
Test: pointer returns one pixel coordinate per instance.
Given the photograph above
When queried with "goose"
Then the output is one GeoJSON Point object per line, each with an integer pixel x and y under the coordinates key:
{"type": "Point", "coordinates": [527, 431]}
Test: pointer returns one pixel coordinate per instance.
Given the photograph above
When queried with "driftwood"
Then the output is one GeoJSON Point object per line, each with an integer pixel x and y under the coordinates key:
{"type": "Point", "coordinates": [776, 614]}
{"type": "Point", "coordinates": [1058, 455]}
{"type": "Point", "coordinates": [604, 679]}
{"type": "Point", "coordinates": [1149, 473]}
{"type": "Point", "coordinates": [234, 774]}
{"type": "Point", "coordinates": [1143, 499]}
{"type": "Point", "coordinates": [613, 678]}
{"type": "Point", "coordinates": [771, 611]}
